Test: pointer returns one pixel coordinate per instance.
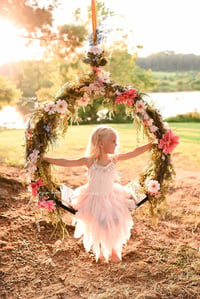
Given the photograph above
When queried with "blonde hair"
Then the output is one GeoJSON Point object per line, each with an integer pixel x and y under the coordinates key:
{"type": "Point", "coordinates": [99, 132]}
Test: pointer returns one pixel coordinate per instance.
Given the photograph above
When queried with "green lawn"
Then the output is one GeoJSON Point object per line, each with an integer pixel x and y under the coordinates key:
{"type": "Point", "coordinates": [75, 142]}
{"type": "Point", "coordinates": [176, 81]}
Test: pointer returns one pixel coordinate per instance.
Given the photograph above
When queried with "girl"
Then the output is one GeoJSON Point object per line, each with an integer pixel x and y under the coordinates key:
{"type": "Point", "coordinates": [103, 217]}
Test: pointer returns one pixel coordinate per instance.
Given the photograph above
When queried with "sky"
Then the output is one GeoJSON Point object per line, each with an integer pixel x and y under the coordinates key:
{"type": "Point", "coordinates": [157, 25]}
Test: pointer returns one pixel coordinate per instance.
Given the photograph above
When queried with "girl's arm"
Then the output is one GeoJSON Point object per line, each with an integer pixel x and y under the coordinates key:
{"type": "Point", "coordinates": [66, 162]}
{"type": "Point", "coordinates": [134, 153]}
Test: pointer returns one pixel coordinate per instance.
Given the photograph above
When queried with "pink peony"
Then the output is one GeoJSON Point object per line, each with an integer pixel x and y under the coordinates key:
{"type": "Point", "coordinates": [61, 106]}
{"type": "Point", "coordinates": [153, 186]}
{"type": "Point", "coordinates": [127, 97]}
{"type": "Point", "coordinates": [47, 204]}
{"type": "Point", "coordinates": [168, 142]}
{"type": "Point", "coordinates": [35, 187]}
{"type": "Point", "coordinates": [140, 106]}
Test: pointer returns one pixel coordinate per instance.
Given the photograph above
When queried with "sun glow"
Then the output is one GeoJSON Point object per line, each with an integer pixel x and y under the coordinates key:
{"type": "Point", "coordinates": [11, 118]}
{"type": "Point", "coordinates": [13, 46]}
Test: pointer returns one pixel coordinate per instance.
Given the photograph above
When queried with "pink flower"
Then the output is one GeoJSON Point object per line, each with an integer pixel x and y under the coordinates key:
{"type": "Point", "coordinates": [153, 186]}
{"type": "Point", "coordinates": [127, 97]}
{"type": "Point", "coordinates": [140, 106]}
{"type": "Point", "coordinates": [105, 77]}
{"type": "Point", "coordinates": [96, 69]}
{"type": "Point", "coordinates": [50, 107]}
{"type": "Point", "coordinates": [35, 187]}
{"type": "Point", "coordinates": [95, 50]}
{"type": "Point", "coordinates": [31, 169]}
{"type": "Point", "coordinates": [83, 101]}
{"type": "Point", "coordinates": [168, 142]}
{"type": "Point", "coordinates": [94, 89]}
{"type": "Point", "coordinates": [61, 106]}
{"type": "Point", "coordinates": [153, 129]}
{"type": "Point", "coordinates": [145, 116]}
{"type": "Point", "coordinates": [149, 122]}
{"type": "Point", "coordinates": [34, 156]}
{"type": "Point", "coordinates": [47, 204]}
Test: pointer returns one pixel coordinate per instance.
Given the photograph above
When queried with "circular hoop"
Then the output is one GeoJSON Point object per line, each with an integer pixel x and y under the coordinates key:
{"type": "Point", "coordinates": [50, 121]}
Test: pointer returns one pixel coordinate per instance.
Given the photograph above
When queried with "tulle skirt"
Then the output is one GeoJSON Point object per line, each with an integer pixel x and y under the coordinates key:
{"type": "Point", "coordinates": [104, 221]}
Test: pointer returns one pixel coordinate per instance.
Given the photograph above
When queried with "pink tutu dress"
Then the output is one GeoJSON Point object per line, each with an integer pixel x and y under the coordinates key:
{"type": "Point", "coordinates": [103, 207]}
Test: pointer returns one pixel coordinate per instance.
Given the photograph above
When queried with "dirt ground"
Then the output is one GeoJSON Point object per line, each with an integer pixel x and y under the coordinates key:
{"type": "Point", "coordinates": [160, 261]}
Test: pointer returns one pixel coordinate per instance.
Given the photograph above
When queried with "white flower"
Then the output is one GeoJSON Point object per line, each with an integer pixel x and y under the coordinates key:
{"type": "Point", "coordinates": [153, 186]}
{"type": "Point", "coordinates": [61, 106]}
{"type": "Point", "coordinates": [102, 114]}
{"type": "Point", "coordinates": [105, 77]}
{"type": "Point", "coordinates": [95, 50]}
{"type": "Point", "coordinates": [166, 125]}
{"type": "Point", "coordinates": [50, 107]}
{"type": "Point", "coordinates": [140, 106]}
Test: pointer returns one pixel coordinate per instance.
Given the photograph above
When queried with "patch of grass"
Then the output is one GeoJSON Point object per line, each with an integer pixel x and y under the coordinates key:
{"type": "Point", "coordinates": [176, 81]}
{"type": "Point", "coordinates": [11, 147]}
{"type": "Point", "coordinates": [75, 142]}
{"type": "Point", "coordinates": [187, 117]}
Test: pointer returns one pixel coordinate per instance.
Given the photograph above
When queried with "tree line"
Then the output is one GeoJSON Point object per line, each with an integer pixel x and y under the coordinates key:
{"type": "Point", "coordinates": [169, 61]}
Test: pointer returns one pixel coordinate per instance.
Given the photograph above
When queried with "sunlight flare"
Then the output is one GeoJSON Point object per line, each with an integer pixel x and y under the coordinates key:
{"type": "Point", "coordinates": [11, 118]}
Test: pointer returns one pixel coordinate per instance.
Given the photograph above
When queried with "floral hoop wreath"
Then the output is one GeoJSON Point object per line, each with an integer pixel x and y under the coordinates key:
{"type": "Point", "coordinates": [50, 121]}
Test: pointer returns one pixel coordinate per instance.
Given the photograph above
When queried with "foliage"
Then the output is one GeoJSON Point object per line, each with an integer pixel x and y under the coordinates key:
{"type": "Point", "coordinates": [9, 94]}
{"type": "Point", "coordinates": [176, 81]}
{"type": "Point", "coordinates": [65, 43]}
{"type": "Point", "coordinates": [33, 16]}
{"type": "Point", "coordinates": [50, 121]}
{"type": "Point", "coordinates": [169, 61]}
{"type": "Point", "coordinates": [188, 117]}
{"type": "Point", "coordinates": [123, 68]}
{"type": "Point", "coordinates": [42, 79]}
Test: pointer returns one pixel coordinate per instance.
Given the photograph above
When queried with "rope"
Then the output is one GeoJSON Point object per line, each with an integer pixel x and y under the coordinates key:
{"type": "Point", "coordinates": [94, 21]}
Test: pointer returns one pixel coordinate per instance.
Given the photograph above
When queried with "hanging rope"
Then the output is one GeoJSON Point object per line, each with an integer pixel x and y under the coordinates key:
{"type": "Point", "coordinates": [94, 26]}
{"type": "Point", "coordinates": [94, 21]}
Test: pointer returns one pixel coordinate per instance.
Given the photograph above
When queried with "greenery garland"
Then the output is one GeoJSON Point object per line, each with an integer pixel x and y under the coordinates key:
{"type": "Point", "coordinates": [50, 121]}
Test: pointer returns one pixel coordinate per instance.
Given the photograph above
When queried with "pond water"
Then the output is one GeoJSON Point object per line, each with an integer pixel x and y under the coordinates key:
{"type": "Point", "coordinates": [173, 103]}
{"type": "Point", "coordinates": [169, 104]}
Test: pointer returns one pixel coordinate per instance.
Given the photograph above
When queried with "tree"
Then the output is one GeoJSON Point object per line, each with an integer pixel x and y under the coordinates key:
{"type": "Point", "coordinates": [9, 94]}
{"type": "Point", "coordinates": [31, 15]}
{"type": "Point", "coordinates": [124, 70]}
{"type": "Point", "coordinates": [65, 43]}
{"type": "Point", "coordinates": [35, 19]}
